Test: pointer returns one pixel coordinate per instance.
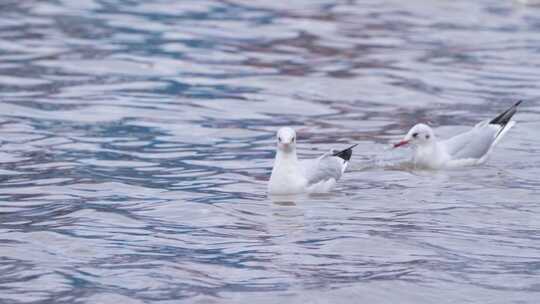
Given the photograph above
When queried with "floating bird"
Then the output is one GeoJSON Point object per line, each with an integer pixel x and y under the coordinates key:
{"type": "Point", "coordinates": [469, 148]}
{"type": "Point", "coordinates": [293, 176]}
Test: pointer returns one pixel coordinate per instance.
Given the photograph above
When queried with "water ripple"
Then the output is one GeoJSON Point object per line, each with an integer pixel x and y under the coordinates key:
{"type": "Point", "coordinates": [137, 139]}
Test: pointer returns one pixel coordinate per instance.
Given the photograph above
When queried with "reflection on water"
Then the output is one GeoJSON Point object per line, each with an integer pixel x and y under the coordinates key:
{"type": "Point", "coordinates": [137, 138]}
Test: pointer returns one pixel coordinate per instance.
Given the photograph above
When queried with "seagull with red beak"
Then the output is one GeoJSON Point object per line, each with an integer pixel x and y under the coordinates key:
{"type": "Point", "coordinates": [470, 148]}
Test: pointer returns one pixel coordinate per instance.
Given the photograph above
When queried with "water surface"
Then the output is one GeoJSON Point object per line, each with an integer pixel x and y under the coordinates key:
{"type": "Point", "coordinates": [137, 138]}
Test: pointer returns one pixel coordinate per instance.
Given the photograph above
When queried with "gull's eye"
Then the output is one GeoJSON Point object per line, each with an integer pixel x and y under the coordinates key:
{"type": "Point", "coordinates": [427, 136]}
{"type": "Point", "coordinates": [293, 139]}
{"type": "Point", "coordinates": [415, 135]}
{"type": "Point", "coordinates": [279, 139]}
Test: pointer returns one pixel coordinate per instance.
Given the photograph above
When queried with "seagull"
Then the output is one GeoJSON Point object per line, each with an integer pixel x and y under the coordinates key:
{"type": "Point", "coordinates": [465, 149]}
{"type": "Point", "coordinates": [293, 176]}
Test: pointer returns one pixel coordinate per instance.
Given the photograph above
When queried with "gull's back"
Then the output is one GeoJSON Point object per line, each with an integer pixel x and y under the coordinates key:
{"type": "Point", "coordinates": [323, 172]}
{"type": "Point", "coordinates": [478, 142]}
{"type": "Point", "coordinates": [322, 168]}
{"type": "Point", "coordinates": [473, 144]}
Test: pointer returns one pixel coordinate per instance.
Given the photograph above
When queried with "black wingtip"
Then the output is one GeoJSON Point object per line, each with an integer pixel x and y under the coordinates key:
{"type": "Point", "coordinates": [345, 154]}
{"type": "Point", "coordinates": [503, 118]}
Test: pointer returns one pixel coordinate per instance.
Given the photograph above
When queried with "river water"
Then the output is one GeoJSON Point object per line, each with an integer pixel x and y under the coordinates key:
{"type": "Point", "coordinates": [137, 138]}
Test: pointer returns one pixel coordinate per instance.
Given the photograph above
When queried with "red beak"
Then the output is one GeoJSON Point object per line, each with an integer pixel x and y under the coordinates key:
{"type": "Point", "coordinates": [401, 143]}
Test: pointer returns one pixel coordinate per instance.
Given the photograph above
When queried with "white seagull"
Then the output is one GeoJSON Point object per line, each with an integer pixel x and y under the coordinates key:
{"type": "Point", "coordinates": [469, 148]}
{"type": "Point", "coordinates": [293, 176]}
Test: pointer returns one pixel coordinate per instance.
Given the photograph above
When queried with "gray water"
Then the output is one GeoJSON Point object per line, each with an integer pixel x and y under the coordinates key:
{"type": "Point", "coordinates": [137, 138]}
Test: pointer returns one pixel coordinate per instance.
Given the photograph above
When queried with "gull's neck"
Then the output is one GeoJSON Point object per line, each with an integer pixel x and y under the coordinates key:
{"type": "Point", "coordinates": [287, 175]}
{"type": "Point", "coordinates": [429, 155]}
{"type": "Point", "coordinates": [286, 157]}
{"type": "Point", "coordinates": [286, 163]}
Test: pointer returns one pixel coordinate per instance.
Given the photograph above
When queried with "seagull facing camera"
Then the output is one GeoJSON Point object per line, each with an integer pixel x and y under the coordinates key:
{"type": "Point", "coordinates": [286, 140]}
{"type": "Point", "coordinates": [293, 176]}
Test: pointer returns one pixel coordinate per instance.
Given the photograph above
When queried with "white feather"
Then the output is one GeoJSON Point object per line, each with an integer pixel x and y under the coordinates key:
{"type": "Point", "coordinates": [293, 176]}
{"type": "Point", "coordinates": [469, 148]}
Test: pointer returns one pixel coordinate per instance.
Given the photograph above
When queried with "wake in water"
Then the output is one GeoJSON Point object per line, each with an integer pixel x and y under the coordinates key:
{"type": "Point", "coordinates": [385, 159]}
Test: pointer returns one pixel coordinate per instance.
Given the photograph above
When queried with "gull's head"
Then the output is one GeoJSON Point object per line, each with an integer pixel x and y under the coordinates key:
{"type": "Point", "coordinates": [419, 135]}
{"type": "Point", "coordinates": [286, 139]}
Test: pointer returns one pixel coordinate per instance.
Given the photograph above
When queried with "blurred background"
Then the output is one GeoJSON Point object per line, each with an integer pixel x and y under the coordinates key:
{"type": "Point", "coordinates": [137, 138]}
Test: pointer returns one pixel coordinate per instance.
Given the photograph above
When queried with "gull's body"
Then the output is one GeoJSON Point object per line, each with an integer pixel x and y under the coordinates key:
{"type": "Point", "coordinates": [469, 148]}
{"type": "Point", "coordinates": [293, 176]}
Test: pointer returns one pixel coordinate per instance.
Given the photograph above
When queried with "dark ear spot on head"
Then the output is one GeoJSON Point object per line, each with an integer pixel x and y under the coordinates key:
{"type": "Point", "coordinates": [427, 136]}
{"type": "Point", "coordinates": [279, 139]}
{"type": "Point", "coordinates": [293, 139]}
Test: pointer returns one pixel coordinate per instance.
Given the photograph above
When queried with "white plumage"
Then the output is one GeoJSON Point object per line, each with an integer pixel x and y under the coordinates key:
{"type": "Point", "coordinates": [293, 176]}
{"type": "Point", "coordinates": [469, 148]}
